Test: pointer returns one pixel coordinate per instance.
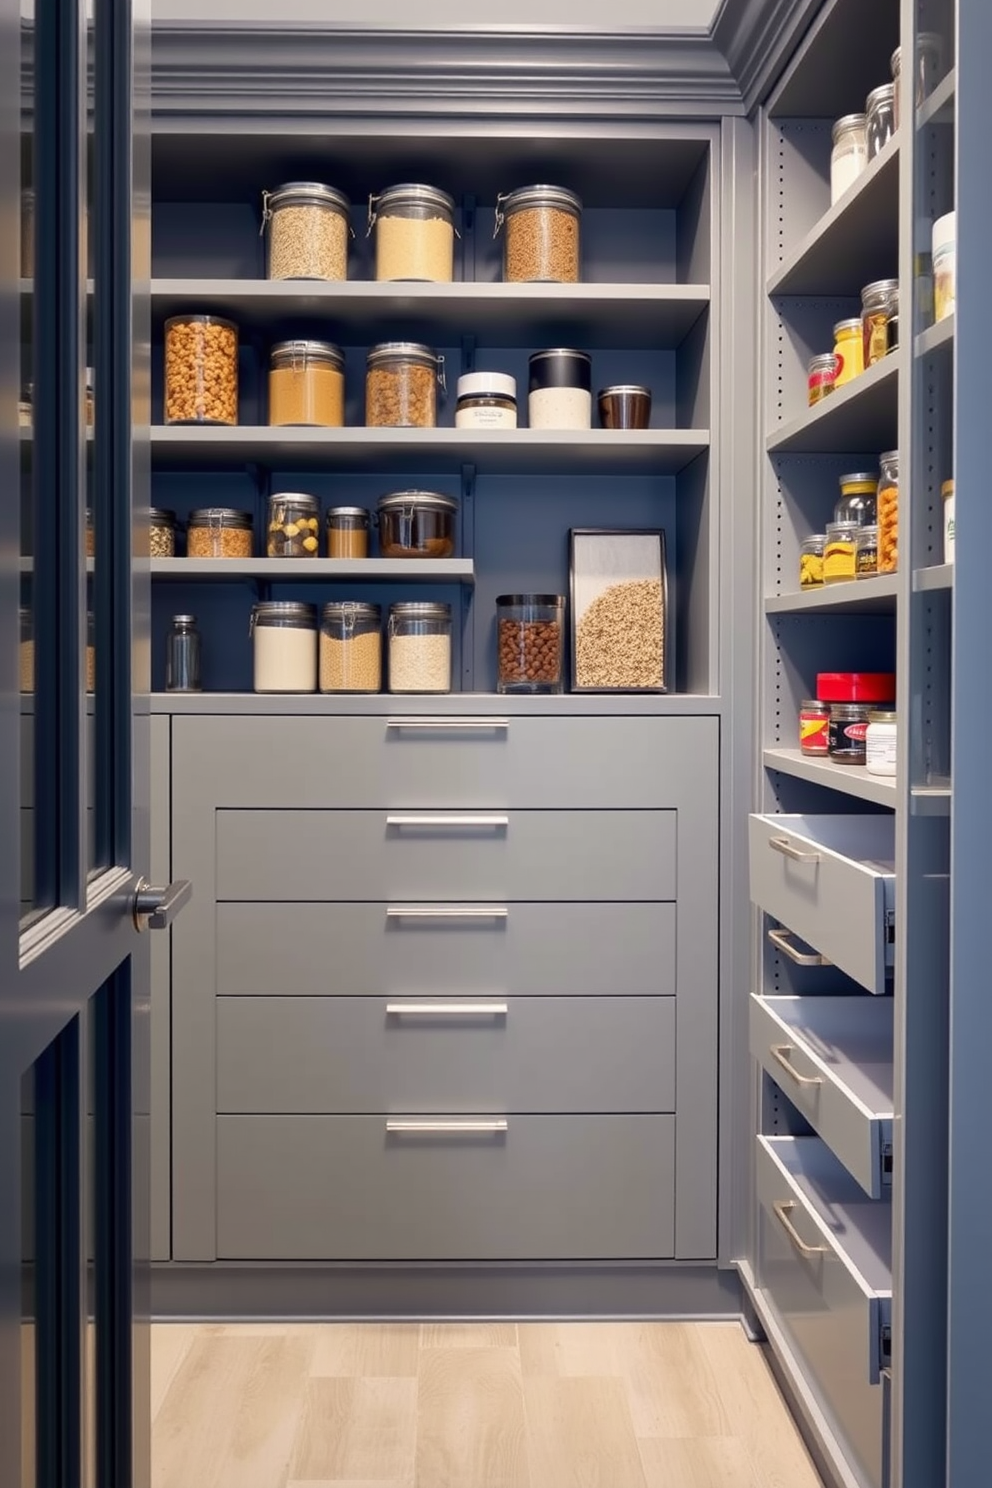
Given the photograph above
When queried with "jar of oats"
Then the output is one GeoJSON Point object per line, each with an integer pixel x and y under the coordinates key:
{"type": "Point", "coordinates": [350, 647]}
{"type": "Point", "coordinates": [306, 384]}
{"type": "Point", "coordinates": [219, 532]}
{"type": "Point", "coordinates": [419, 647]}
{"type": "Point", "coordinates": [414, 233]}
{"type": "Point", "coordinates": [541, 240]}
{"type": "Point", "coordinates": [308, 230]}
{"type": "Point", "coordinates": [201, 370]}
{"type": "Point", "coordinates": [401, 385]}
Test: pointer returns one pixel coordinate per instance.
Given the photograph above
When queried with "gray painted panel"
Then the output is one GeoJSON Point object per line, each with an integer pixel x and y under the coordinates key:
{"type": "Point", "coordinates": [340, 1188]}
{"type": "Point", "coordinates": [351, 1055]}
{"type": "Point", "coordinates": [356, 950]}
{"type": "Point", "coordinates": [160, 827]}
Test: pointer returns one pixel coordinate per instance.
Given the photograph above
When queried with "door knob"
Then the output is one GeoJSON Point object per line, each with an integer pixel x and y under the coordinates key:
{"type": "Point", "coordinates": [156, 908]}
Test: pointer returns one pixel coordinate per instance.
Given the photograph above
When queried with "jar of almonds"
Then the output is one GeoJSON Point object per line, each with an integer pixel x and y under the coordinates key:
{"type": "Point", "coordinates": [201, 370]}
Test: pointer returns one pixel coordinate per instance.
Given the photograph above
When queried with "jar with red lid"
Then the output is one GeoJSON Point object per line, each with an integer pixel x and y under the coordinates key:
{"type": "Point", "coordinates": [814, 727]}
{"type": "Point", "coordinates": [856, 687]}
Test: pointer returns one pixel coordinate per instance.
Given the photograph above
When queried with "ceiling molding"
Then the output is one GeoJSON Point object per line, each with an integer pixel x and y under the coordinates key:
{"type": "Point", "coordinates": [757, 38]}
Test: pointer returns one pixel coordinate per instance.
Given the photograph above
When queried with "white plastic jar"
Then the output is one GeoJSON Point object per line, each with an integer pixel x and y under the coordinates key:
{"type": "Point", "coordinates": [945, 253]}
{"type": "Point", "coordinates": [880, 743]}
{"type": "Point", "coordinates": [486, 400]}
{"type": "Point", "coordinates": [849, 156]}
{"type": "Point", "coordinates": [560, 389]}
{"type": "Point", "coordinates": [285, 637]}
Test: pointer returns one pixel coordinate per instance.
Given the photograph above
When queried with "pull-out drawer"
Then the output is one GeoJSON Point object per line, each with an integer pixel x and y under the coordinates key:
{"type": "Point", "coordinates": [445, 950]}
{"type": "Point", "coordinates": [450, 855]}
{"type": "Point", "coordinates": [833, 1058]}
{"type": "Point", "coordinates": [519, 1188]}
{"type": "Point", "coordinates": [825, 1267]}
{"type": "Point", "coordinates": [363, 1055]}
{"type": "Point", "coordinates": [831, 880]}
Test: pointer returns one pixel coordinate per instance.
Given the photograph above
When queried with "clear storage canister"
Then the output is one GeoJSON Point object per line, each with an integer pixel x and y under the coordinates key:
{"type": "Point", "coordinates": [417, 524]}
{"type": "Point", "coordinates": [306, 384]}
{"type": "Point", "coordinates": [308, 230]}
{"type": "Point", "coordinates": [420, 647]}
{"type": "Point", "coordinates": [414, 233]}
{"type": "Point", "coordinates": [560, 389]}
{"type": "Point", "coordinates": [947, 501]}
{"type": "Point", "coordinates": [811, 560]}
{"type": "Point", "coordinates": [350, 647]}
{"type": "Point", "coordinates": [219, 532]}
{"type": "Point", "coordinates": [880, 110]}
{"type": "Point", "coordinates": [401, 384]}
{"type": "Point", "coordinates": [201, 370]}
{"type": "Point", "coordinates": [888, 512]}
{"type": "Point", "coordinates": [182, 655]}
{"type": "Point", "coordinates": [849, 155]}
{"type": "Point", "coordinates": [879, 301]}
{"type": "Point", "coordinates": [347, 532]}
{"type": "Point", "coordinates": [820, 376]}
{"type": "Point", "coordinates": [858, 493]}
{"type": "Point", "coordinates": [293, 529]}
{"type": "Point", "coordinates": [541, 235]}
{"type": "Point", "coordinates": [530, 631]}
{"type": "Point", "coordinates": [929, 59]}
{"type": "Point", "coordinates": [284, 633]}
{"type": "Point", "coordinates": [161, 533]}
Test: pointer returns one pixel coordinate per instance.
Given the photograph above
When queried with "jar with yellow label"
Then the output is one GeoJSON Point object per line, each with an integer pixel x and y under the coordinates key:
{"type": "Point", "coordinates": [839, 562]}
{"type": "Point", "coordinates": [857, 498]}
{"type": "Point", "coordinates": [849, 350]}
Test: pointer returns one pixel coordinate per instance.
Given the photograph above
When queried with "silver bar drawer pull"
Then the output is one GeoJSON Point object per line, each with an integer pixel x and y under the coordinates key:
{"type": "Point", "coordinates": [448, 1009]}
{"type": "Point", "coordinates": [447, 912]}
{"type": "Point", "coordinates": [494, 823]}
{"type": "Point", "coordinates": [782, 941]}
{"type": "Point", "coordinates": [450, 725]}
{"type": "Point", "coordinates": [783, 1209]}
{"type": "Point", "coordinates": [789, 850]}
{"type": "Point", "coordinates": [403, 1125]}
{"type": "Point", "coordinates": [780, 1053]}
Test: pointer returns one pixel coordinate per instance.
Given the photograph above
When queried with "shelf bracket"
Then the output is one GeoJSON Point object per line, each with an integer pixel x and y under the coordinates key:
{"type": "Point", "coordinates": [468, 353]}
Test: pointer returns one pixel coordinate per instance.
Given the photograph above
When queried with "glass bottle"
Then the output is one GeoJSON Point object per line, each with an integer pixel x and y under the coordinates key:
{"type": "Point", "coordinates": [182, 655]}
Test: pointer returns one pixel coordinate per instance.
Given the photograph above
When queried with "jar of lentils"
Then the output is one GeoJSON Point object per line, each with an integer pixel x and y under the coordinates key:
{"type": "Point", "coordinates": [350, 647]}
{"type": "Point", "coordinates": [219, 532]}
{"type": "Point", "coordinates": [414, 233]}
{"type": "Point", "coordinates": [401, 384]}
{"type": "Point", "coordinates": [308, 230]}
{"type": "Point", "coordinates": [306, 384]}
{"type": "Point", "coordinates": [201, 370]}
{"type": "Point", "coordinates": [541, 242]}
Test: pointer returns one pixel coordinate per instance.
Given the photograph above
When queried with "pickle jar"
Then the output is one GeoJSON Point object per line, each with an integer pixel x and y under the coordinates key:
{"type": "Point", "coordinates": [347, 532]}
{"type": "Point", "coordinates": [219, 532]}
{"type": "Point", "coordinates": [888, 513]}
{"type": "Point", "coordinates": [541, 235]}
{"type": "Point", "coordinates": [857, 498]}
{"type": "Point", "coordinates": [414, 233]}
{"type": "Point", "coordinates": [839, 551]}
{"type": "Point", "coordinates": [849, 350]}
{"type": "Point", "coordinates": [811, 561]}
{"type": "Point", "coordinates": [308, 231]}
{"type": "Point", "coordinates": [293, 526]}
{"type": "Point", "coordinates": [201, 370]}
{"type": "Point", "coordinates": [350, 647]}
{"type": "Point", "coordinates": [401, 384]}
{"type": "Point", "coordinates": [879, 301]}
{"type": "Point", "coordinates": [306, 384]}
{"type": "Point", "coordinates": [866, 552]}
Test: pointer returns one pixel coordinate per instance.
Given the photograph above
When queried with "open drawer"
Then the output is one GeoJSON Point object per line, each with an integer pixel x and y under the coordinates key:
{"type": "Point", "coordinates": [825, 1269]}
{"type": "Point", "coordinates": [832, 1056]}
{"type": "Point", "coordinates": [830, 880]}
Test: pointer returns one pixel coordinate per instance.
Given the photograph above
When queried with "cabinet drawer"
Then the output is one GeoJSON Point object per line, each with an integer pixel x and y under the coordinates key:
{"type": "Point", "coordinates": [368, 950]}
{"type": "Point", "coordinates": [833, 1058]}
{"type": "Point", "coordinates": [343, 1188]}
{"type": "Point", "coordinates": [362, 1055]}
{"type": "Point", "coordinates": [520, 855]}
{"type": "Point", "coordinates": [831, 880]}
{"type": "Point", "coordinates": [824, 1264]}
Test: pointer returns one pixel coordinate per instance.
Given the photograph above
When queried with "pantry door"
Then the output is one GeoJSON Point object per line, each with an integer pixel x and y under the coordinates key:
{"type": "Point", "coordinates": [74, 969]}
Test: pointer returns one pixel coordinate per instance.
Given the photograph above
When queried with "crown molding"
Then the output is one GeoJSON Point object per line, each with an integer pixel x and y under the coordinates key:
{"type": "Point", "coordinates": [757, 38]}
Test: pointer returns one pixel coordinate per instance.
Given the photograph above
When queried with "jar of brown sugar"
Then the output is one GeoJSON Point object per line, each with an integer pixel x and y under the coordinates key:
{"type": "Point", "coordinates": [541, 240]}
{"type": "Point", "coordinates": [347, 532]}
{"type": "Point", "coordinates": [306, 384]}
{"type": "Point", "coordinates": [401, 385]}
{"type": "Point", "coordinates": [219, 532]}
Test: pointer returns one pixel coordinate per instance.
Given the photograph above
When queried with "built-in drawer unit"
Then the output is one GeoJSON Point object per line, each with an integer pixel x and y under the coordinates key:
{"type": "Point", "coordinates": [831, 881]}
{"type": "Point", "coordinates": [362, 1055]}
{"type": "Point", "coordinates": [445, 950]}
{"type": "Point", "coordinates": [445, 855]}
{"type": "Point", "coordinates": [825, 1268]}
{"type": "Point", "coordinates": [368, 1188]}
{"type": "Point", "coordinates": [832, 1056]}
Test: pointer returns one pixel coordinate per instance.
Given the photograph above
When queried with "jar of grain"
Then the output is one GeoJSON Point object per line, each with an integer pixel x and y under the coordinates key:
{"type": "Point", "coordinates": [849, 350]}
{"type": "Point", "coordinates": [351, 647]}
{"type": "Point", "coordinates": [219, 532]}
{"type": "Point", "coordinates": [530, 630]}
{"type": "Point", "coordinates": [161, 533]}
{"type": "Point", "coordinates": [309, 228]}
{"type": "Point", "coordinates": [201, 370]}
{"type": "Point", "coordinates": [26, 653]}
{"type": "Point", "coordinates": [293, 526]}
{"type": "Point", "coordinates": [420, 647]}
{"type": "Point", "coordinates": [401, 384]}
{"type": "Point", "coordinates": [560, 389]}
{"type": "Point", "coordinates": [417, 524]}
{"type": "Point", "coordinates": [849, 156]}
{"type": "Point", "coordinates": [285, 643]}
{"type": "Point", "coordinates": [878, 302]}
{"type": "Point", "coordinates": [542, 235]}
{"type": "Point", "coordinates": [347, 532]}
{"type": "Point", "coordinates": [414, 233]}
{"type": "Point", "coordinates": [306, 384]}
{"type": "Point", "coordinates": [888, 512]}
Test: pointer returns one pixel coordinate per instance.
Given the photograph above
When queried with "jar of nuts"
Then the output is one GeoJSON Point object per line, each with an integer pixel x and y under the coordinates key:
{"type": "Point", "coordinates": [529, 634]}
{"type": "Point", "coordinates": [306, 384]}
{"type": "Point", "coordinates": [401, 385]}
{"type": "Point", "coordinates": [219, 532]}
{"type": "Point", "coordinates": [309, 228]}
{"type": "Point", "coordinates": [201, 370]}
{"type": "Point", "coordinates": [414, 233]}
{"type": "Point", "coordinates": [293, 527]}
{"type": "Point", "coordinates": [350, 647]}
{"type": "Point", "coordinates": [542, 234]}
{"type": "Point", "coordinates": [417, 524]}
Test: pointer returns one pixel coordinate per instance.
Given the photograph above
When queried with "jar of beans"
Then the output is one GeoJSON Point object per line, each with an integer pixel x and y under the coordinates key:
{"type": "Point", "coordinates": [529, 642]}
{"type": "Point", "coordinates": [309, 228]}
{"type": "Point", "coordinates": [401, 385]}
{"type": "Point", "coordinates": [293, 526]}
{"type": "Point", "coordinates": [306, 384]}
{"type": "Point", "coordinates": [162, 533]}
{"type": "Point", "coordinates": [888, 512]}
{"type": "Point", "coordinates": [542, 234]}
{"type": "Point", "coordinates": [350, 647]}
{"type": "Point", "coordinates": [201, 370]}
{"type": "Point", "coordinates": [219, 532]}
{"type": "Point", "coordinates": [414, 233]}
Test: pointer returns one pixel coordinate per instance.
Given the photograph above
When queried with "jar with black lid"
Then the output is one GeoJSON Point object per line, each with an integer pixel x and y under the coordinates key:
{"type": "Point", "coordinates": [560, 389]}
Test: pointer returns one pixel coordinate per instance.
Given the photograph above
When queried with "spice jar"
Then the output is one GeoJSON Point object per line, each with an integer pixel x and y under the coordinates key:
{"type": "Point", "coordinates": [814, 727]}
{"type": "Point", "coordinates": [878, 300]}
{"type": "Point", "coordinates": [419, 647]}
{"type": "Point", "coordinates": [849, 155]}
{"type": "Point", "coordinates": [182, 655]}
{"type": "Point", "coordinates": [542, 235]}
{"type": "Point", "coordinates": [309, 228]}
{"type": "Point", "coordinates": [560, 389]}
{"type": "Point", "coordinates": [866, 552]}
{"type": "Point", "coordinates": [847, 728]}
{"type": "Point", "coordinates": [811, 561]}
{"type": "Point", "coordinates": [880, 109]}
{"type": "Point", "coordinates": [820, 377]}
{"type": "Point", "coordinates": [293, 526]}
{"type": "Point", "coordinates": [929, 57]}
{"type": "Point", "coordinates": [529, 633]}
{"type": "Point", "coordinates": [944, 265]}
{"type": "Point", "coordinates": [849, 350]}
{"type": "Point", "coordinates": [285, 645]}
{"type": "Point", "coordinates": [888, 513]}
{"type": "Point", "coordinates": [347, 532]}
{"type": "Point", "coordinates": [880, 743]}
{"type": "Point", "coordinates": [857, 498]}
{"type": "Point", "coordinates": [161, 533]}
{"type": "Point", "coordinates": [350, 647]}
{"type": "Point", "coordinates": [414, 233]}
{"type": "Point", "coordinates": [306, 384]}
{"type": "Point", "coordinates": [947, 499]}
{"type": "Point", "coordinates": [219, 532]}
{"type": "Point", "coordinates": [201, 370]}
{"type": "Point", "coordinates": [486, 400]}
{"type": "Point", "coordinates": [838, 554]}
{"type": "Point", "coordinates": [26, 651]}
{"type": "Point", "coordinates": [401, 385]}
{"type": "Point", "coordinates": [417, 524]}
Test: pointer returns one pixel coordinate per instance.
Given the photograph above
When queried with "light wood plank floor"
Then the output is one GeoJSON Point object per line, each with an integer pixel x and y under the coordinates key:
{"type": "Point", "coordinates": [468, 1405]}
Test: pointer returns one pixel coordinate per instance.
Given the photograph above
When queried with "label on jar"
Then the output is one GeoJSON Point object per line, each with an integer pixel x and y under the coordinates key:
{"type": "Point", "coordinates": [847, 740]}
{"type": "Point", "coordinates": [814, 733]}
{"type": "Point", "coordinates": [880, 750]}
{"type": "Point", "coordinates": [486, 417]}
{"type": "Point", "coordinates": [876, 338]}
{"type": "Point", "coordinates": [820, 384]}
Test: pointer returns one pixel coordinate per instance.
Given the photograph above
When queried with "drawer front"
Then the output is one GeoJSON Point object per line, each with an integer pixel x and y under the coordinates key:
{"type": "Point", "coordinates": [831, 881]}
{"type": "Point", "coordinates": [522, 855]}
{"type": "Point", "coordinates": [832, 1056]}
{"type": "Point", "coordinates": [362, 1055]}
{"type": "Point", "coordinates": [342, 1188]}
{"type": "Point", "coordinates": [368, 950]}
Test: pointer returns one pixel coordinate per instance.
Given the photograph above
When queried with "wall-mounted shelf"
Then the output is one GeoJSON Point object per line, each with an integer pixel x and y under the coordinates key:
{"type": "Point", "coordinates": [859, 418]}
{"type": "Point", "coordinates": [860, 597]}
{"type": "Point", "coordinates": [939, 337]}
{"type": "Point", "coordinates": [940, 576]}
{"type": "Point", "coordinates": [940, 107]}
{"type": "Point", "coordinates": [851, 780]}
{"type": "Point", "coordinates": [315, 570]}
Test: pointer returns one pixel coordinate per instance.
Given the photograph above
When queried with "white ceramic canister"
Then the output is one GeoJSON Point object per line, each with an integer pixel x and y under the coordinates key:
{"type": "Point", "coordinates": [945, 242]}
{"type": "Point", "coordinates": [486, 400]}
{"type": "Point", "coordinates": [560, 389]}
{"type": "Point", "coordinates": [880, 743]}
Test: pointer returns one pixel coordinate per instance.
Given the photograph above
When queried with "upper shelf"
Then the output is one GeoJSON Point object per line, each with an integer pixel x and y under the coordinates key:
{"type": "Point", "coordinates": [859, 418]}
{"type": "Point", "coordinates": [875, 596]}
{"type": "Point", "coordinates": [856, 241]}
{"type": "Point", "coordinates": [850, 780]}
{"type": "Point", "coordinates": [635, 316]}
{"type": "Point", "coordinates": [939, 108]}
{"type": "Point", "coordinates": [315, 570]}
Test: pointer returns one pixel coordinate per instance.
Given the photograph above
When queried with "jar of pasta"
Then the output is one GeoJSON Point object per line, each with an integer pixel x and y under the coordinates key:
{"type": "Point", "coordinates": [401, 384]}
{"type": "Point", "coordinates": [350, 647]}
{"type": "Point", "coordinates": [306, 384]}
{"type": "Point", "coordinates": [542, 235]}
{"type": "Point", "coordinates": [888, 512]}
{"type": "Point", "coordinates": [414, 233]}
{"type": "Point", "coordinates": [308, 229]}
{"type": "Point", "coordinates": [219, 532]}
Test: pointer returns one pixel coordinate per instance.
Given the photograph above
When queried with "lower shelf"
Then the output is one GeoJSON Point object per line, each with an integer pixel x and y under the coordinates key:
{"type": "Point", "coordinates": [850, 780]}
